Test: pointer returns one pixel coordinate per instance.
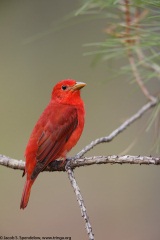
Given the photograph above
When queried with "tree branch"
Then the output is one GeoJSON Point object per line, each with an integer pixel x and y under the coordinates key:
{"type": "Point", "coordinates": [80, 202]}
{"type": "Point", "coordinates": [120, 129]}
{"type": "Point", "coordinates": [138, 77]}
{"type": "Point", "coordinates": [85, 161]}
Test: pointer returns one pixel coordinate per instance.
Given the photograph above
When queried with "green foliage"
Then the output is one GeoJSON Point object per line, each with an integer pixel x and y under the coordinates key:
{"type": "Point", "coordinates": [113, 46]}
{"type": "Point", "coordinates": [132, 35]}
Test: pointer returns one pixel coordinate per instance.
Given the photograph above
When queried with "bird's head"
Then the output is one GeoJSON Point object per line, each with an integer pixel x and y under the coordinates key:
{"type": "Point", "coordinates": [67, 91]}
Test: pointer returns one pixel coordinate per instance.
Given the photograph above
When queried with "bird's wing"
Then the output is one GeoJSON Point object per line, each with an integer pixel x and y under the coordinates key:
{"type": "Point", "coordinates": [56, 133]}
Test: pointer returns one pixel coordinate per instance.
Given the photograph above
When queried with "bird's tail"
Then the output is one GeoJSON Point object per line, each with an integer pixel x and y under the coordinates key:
{"type": "Point", "coordinates": [26, 193]}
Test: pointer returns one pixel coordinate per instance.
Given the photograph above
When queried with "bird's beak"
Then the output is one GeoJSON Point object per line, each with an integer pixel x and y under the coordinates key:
{"type": "Point", "coordinates": [78, 86]}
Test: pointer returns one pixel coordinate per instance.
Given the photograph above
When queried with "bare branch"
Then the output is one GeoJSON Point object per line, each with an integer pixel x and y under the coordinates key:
{"type": "Point", "coordinates": [120, 129]}
{"type": "Point", "coordinates": [115, 159]}
{"type": "Point", "coordinates": [11, 163]}
{"type": "Point", "coordinates": [86, 161]}
{"type": "Point", "coordinates": [80, 202]}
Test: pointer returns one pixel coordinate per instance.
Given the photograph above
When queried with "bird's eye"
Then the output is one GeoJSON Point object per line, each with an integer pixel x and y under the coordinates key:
{"type": "Point", "coordinates": [64, 87]}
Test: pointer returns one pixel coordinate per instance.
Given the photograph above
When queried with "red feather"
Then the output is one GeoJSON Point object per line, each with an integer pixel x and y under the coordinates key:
{"type": "Point", "coordinates": [56, 132]}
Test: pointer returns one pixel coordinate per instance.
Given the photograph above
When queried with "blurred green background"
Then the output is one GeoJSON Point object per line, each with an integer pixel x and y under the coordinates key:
{"type": "Point", "coordinates": [122, 201]}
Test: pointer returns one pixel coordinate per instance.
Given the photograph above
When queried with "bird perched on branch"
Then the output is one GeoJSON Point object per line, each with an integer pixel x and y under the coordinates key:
{"type": "Point", "coordinates": [55, 133]}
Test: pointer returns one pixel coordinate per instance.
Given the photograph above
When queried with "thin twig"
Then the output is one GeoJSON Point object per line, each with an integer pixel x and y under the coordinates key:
{"type": "Point", "coordinates": [138, 78]}
{"type": "Point", "coordinates": [128, 17]}
{"type": "Point", "coordinates": [80, 202]}
{"type": "Point", "coordinates": [120, 129]}
{"type": "Point", "coordinates": [151, 66]}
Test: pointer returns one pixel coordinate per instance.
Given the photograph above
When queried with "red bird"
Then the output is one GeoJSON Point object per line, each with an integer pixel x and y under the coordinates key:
{"type": "Point", "coordinates": [56, 132]}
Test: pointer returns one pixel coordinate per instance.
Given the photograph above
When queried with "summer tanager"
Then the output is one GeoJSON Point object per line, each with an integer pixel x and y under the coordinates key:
{"type": "Point", "coordinates": [56, 132]}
